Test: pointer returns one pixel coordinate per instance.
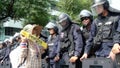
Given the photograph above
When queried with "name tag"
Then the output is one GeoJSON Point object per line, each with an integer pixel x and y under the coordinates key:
{"type": "Point", "coordinates": [50, 44]}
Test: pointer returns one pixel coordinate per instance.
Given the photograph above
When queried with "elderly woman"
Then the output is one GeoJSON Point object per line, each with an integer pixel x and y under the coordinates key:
{"type": "Point", "coordinates": [28, 53]}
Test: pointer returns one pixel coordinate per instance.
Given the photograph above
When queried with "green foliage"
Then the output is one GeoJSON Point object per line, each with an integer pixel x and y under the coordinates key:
{"type": "Point", "coordinates": [73, 7]}
{"type": "Point", "coordinates": [6, 8]}
{"type": "Point", "coordinates": [33, 11]}
{"type": "Point", "coordinates": [36, 11]}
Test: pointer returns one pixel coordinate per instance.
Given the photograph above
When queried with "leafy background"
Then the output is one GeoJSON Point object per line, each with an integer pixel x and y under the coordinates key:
{"type": "Point", "coordinates": [37, 11]}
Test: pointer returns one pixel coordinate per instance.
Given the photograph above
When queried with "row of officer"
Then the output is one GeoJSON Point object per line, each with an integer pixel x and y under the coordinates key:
{"type": "Point", "coordinates": [101, 34]}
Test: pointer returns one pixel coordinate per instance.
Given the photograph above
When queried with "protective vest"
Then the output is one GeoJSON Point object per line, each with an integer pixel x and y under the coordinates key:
{"type": "Point", "coordinates": [106, 28]}
{"type": "Point", "coordinates": [67, 40]}
{"type": "Point", "coordinates": [85, 33]}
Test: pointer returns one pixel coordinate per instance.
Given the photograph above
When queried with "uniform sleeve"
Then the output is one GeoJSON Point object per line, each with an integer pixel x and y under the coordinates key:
{"type": "Point", "coordinates": [78, 41]}
{"type": "Point", "coordinates": [91, 36]}
{"type": "Point", "coordinates": [116, 36]}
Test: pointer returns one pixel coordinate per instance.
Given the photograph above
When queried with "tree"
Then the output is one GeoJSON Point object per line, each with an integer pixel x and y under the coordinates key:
{"type": "Point", "coordinates": [32, 11]}
{"type": "Point", "coordinates": [73, 7]}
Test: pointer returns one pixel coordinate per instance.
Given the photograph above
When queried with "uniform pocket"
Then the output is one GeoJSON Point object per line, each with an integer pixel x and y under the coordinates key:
{"type": "Point", "coordinates": [107, 30]}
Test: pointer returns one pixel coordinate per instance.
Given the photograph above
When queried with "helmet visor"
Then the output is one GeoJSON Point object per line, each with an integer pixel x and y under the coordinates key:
{"type": "Point", "coordinates": [97, 9]}
{"type": "Point", "coordinates": [62, 20]}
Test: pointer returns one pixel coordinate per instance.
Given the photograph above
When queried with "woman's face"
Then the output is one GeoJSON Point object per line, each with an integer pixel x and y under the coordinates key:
{"type": "Point", "coordinates": [51, 31]}
{"type": "Point", "coordinates": [85, 21]}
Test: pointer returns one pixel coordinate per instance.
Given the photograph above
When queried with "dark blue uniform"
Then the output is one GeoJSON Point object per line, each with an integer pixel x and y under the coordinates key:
{"type": "Point", "coordinates": [70, 44]}
{"type": "Point", "coordinates": [85, 33]}
{"type": "Point", "coordinates": [52, 43]}
{"type": "Point", "coordinates": [104, 31]}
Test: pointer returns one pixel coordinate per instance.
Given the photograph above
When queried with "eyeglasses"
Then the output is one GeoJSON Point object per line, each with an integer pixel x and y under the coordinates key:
{"type": "Point", "coordinates": [84, 18]}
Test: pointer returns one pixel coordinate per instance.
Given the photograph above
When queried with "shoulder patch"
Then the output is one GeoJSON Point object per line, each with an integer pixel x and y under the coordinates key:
{"type": "Point", "coordinates": [61, 34]}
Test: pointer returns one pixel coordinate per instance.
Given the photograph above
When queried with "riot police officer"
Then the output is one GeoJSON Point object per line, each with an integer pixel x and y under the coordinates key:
{"type": "Point", "coordinates": [104, 31]}
{"type": "Point", "coordinates": [71, 42]}
{"type": "Point", "coordinates": [86, 19]}
{"type": "Point", "coordinates": [52, 42]}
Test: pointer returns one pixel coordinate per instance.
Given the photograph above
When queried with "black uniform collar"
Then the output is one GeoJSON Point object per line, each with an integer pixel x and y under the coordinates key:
{"type": "Point", "coordinates": [104, 17]}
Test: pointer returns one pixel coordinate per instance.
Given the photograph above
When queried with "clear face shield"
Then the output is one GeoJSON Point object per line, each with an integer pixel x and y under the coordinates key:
{"type": "Point", "coordinates": [64, 24]}
{"type": "Point", "coordinates": [97, 10]}
{"type": "Point", "coordinates": [59, 26]}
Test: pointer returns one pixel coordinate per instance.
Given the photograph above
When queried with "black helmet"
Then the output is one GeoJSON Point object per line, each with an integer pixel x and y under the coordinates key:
{"type": "Point", "coordinates": [105, 3]}
{"type": "Point", "coordinates": [64, 20]}
{"type": "Point", "coordinates": [63, 17]}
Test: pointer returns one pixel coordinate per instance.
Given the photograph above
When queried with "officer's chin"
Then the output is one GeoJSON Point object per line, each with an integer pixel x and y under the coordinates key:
{"type": "Point", "coordinates": [85, 25]}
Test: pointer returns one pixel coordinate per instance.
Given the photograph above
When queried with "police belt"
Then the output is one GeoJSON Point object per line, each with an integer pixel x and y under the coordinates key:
{"type": "Point", "coordinates": [65, 50]}
{"type": "Point", "coordinates": [107, 40]}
